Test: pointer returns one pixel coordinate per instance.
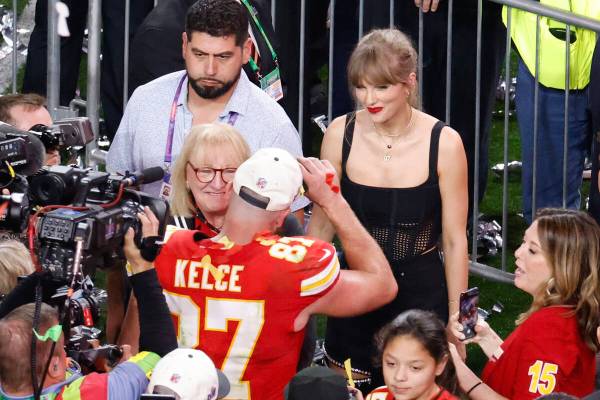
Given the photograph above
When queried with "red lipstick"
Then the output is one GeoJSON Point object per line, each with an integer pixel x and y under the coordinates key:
{"type": "Point", "coordinates": [374, 110]}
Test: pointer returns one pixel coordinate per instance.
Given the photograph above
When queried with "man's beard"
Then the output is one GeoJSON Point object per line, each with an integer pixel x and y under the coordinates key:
{"type": "Point", "coordinates": [213, 92]}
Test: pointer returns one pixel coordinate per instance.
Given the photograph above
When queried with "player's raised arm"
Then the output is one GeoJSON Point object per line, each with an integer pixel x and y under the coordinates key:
{"type": "Point", "coordinates": [369, 283]}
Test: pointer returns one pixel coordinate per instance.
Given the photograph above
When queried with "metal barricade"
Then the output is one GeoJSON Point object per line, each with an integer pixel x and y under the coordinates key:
{"type": "Point", "coordinates": [541, 10]}
{"type": "Point", "coordinates": [535, 7]}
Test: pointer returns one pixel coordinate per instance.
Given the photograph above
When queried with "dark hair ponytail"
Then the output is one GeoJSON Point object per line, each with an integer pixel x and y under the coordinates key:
{"type": "Point", "coordinates": [427, 329]}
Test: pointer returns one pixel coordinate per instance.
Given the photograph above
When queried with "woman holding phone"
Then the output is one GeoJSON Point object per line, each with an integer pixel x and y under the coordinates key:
{"type": "Point", "coordinates": [553, 348]}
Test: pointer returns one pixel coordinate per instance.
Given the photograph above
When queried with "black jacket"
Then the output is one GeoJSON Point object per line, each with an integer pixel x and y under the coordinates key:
{"type": "Point", "coordinates": [156, 47]}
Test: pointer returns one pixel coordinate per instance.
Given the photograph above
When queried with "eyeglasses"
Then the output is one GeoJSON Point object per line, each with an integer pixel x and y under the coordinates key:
{"type": "Point", "coordinates": [207, 174]}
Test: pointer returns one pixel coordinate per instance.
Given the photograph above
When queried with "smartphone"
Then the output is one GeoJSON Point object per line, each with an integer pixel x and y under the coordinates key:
{"type": "Point", "coordinates": [467, 315]}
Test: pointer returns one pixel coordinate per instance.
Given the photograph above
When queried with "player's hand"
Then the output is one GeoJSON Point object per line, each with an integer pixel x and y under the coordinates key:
{"type": "Point", "coordinates": [323, 185]}
{"type": "Point", "coordinates": [428, 5]}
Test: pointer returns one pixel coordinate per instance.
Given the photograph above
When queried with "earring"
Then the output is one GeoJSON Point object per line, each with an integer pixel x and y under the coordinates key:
{"type": "Point", "coordinates": [550, 286]}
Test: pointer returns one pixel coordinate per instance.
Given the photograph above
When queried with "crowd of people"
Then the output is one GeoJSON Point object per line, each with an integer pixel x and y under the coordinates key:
{"type": "Point", "coordinates": [223, 304]}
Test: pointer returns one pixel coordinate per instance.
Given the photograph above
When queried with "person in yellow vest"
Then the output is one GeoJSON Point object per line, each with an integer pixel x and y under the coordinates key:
{"type": "Point", "coordinates": [551, 102]}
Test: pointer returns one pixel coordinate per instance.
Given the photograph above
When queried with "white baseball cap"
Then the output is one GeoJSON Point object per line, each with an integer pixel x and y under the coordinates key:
{"type": "Point", "coordinates": [271, 179]}
{"type": "Point", "coordinates": [188, 374]}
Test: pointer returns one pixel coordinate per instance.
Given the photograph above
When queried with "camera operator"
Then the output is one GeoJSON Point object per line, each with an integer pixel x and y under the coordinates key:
{"type": "Point", "coordinates": [24, 111]}
{"type": "Point", "coordinates": [126, 381]}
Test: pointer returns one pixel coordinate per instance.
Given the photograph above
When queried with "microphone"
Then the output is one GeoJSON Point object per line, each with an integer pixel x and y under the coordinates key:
{"type": "Point", "coordinates": [21, 149]}
{"type": "Point", "coordinates": [147, 175]}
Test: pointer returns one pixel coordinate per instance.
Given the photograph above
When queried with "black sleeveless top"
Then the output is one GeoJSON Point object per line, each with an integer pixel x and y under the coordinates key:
{"type": "Point", "coordinates": [404, 221]}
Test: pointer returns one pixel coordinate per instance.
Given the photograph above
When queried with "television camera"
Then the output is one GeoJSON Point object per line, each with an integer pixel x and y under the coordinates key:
{"type": "Point", "coordinates": [80, 222]}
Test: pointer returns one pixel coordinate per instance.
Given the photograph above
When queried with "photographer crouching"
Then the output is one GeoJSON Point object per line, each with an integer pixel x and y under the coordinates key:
{"type": "Point", "coordinates": [45, 373]}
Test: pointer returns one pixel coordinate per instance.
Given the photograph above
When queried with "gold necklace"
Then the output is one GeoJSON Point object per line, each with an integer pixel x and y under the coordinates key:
{"type": "Point", "coordinates": [387, 155]}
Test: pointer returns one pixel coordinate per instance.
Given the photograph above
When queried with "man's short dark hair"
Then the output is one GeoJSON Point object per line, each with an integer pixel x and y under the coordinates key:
{"type": "Point", "coordinates": [32, 101]}
{"type": "Point", "coordinates": [15, 345]}
{"type": "Point", "coordinates": [218, 18]}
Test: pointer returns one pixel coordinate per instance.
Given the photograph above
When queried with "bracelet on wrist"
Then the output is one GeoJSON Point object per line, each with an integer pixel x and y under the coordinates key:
{"type": "Point", "coordinates": [473, 387]}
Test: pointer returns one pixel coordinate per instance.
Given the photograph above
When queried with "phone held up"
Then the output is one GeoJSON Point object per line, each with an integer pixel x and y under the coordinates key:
{"type": "Point", "coordinates": [468, 314]}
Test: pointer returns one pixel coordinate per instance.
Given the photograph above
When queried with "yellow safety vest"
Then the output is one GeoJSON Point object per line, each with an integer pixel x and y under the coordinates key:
{"type": "Point", "coordinates": [552, 50]}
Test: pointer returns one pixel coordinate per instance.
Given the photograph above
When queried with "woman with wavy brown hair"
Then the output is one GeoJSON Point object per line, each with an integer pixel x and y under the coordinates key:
{"type": "Point", "coordinates": [553, 347]}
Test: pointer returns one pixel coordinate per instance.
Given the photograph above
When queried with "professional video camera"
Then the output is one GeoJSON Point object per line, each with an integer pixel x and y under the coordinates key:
{"type": "Point", "coordinates": [21, 153]}
{"type": "Point", "coordinates": [72, 240]}
{"type": "Point", "coordinates": [92, 227]}
{"type": "Point", "coordinates": [67, 132]}
{"type": "Point", "coordinates": [79, 315]}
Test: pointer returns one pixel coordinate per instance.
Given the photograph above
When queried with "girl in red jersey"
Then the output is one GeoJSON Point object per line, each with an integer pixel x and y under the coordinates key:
{"type": "Point", "coordinates": [553, 347]}
{"type": "Point", "coordinates": [414, 355]}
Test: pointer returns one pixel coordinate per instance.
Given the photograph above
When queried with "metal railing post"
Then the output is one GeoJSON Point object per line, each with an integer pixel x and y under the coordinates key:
{"type": "Point", "coordinates": [392, 12]}
{"type": "Point", "coordinates": [301, 69]}
{"type": "Point", "coordinates": [566, 132]}
{"type": "Point", "coordinates": [361, 18]}
{"type": "Point", "coordinates": [53, 58]}
{"type": "Point", "coordinates": [273, 10]}
{"type": "Point", "coordinates": [507, 81]}
{"type": "Point", "coordinates": [536, 104]}
{"type": "Point", "coordinates": [93, 74]}
{"type": "Point", "coordinates": [331, 60]}
{"type": "Point", "coordinates": [14, 47]}
{"type": "Point", "coordinates": [420, 57]}
{"type": "Point", "coordinates": [126, 54]}
{"type": "Point", "coordinates": [449, 61]}
{"type": "Point", "coordinates": [475, 220]}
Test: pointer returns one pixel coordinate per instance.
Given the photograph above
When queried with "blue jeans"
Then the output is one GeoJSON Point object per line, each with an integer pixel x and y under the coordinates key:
{"type": "Point", "coordinates": [549, 167]}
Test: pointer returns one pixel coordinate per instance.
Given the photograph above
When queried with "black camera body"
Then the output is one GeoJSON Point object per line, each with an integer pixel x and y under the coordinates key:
{"type": "Point", "coordinates": [67, 132]}
{"type": "Point", "coordinates": [21, 154]}
{"type": "Point", "coordinates": [98, 218]}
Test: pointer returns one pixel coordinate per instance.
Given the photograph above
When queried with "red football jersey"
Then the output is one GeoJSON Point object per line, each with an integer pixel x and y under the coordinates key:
{"type": "Point", "coordinates": [545, 354]}
{"type": "Point", "coordinates": [238, 303]}
{"type": "Point", "coordinates": [382, 393]}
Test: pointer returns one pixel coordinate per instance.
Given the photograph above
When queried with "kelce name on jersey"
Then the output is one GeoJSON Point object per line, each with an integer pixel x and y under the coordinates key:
{"type": "Point", "coordinates": [203, 275]}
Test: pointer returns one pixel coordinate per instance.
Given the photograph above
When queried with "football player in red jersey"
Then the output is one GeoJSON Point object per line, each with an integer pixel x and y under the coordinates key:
{"type": "Point", "coordinates": [245, 296]}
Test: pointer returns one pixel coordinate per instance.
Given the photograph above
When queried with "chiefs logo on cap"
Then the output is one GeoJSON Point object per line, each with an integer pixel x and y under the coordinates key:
{"type": "Point", "coordinates": [261, 183]}
{"type": "Point", "coordinates": [175, 378]}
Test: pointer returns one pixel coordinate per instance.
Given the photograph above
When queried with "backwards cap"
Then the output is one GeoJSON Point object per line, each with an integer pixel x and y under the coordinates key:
{"type": "Point", "coordinates": [271, 179]}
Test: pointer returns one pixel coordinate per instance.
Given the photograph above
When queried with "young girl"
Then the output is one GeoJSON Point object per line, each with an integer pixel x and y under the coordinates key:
{"type": "Point", "coordinates": [414, 355]}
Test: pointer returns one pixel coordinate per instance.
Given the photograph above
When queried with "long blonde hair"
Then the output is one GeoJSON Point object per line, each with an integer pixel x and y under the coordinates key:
{"type": "Point", "coordinates": [202, 141]}
{"type": "Point", "coordinates": [570, 242]}
{"type": "Point", "coordinates": [383, 56]}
